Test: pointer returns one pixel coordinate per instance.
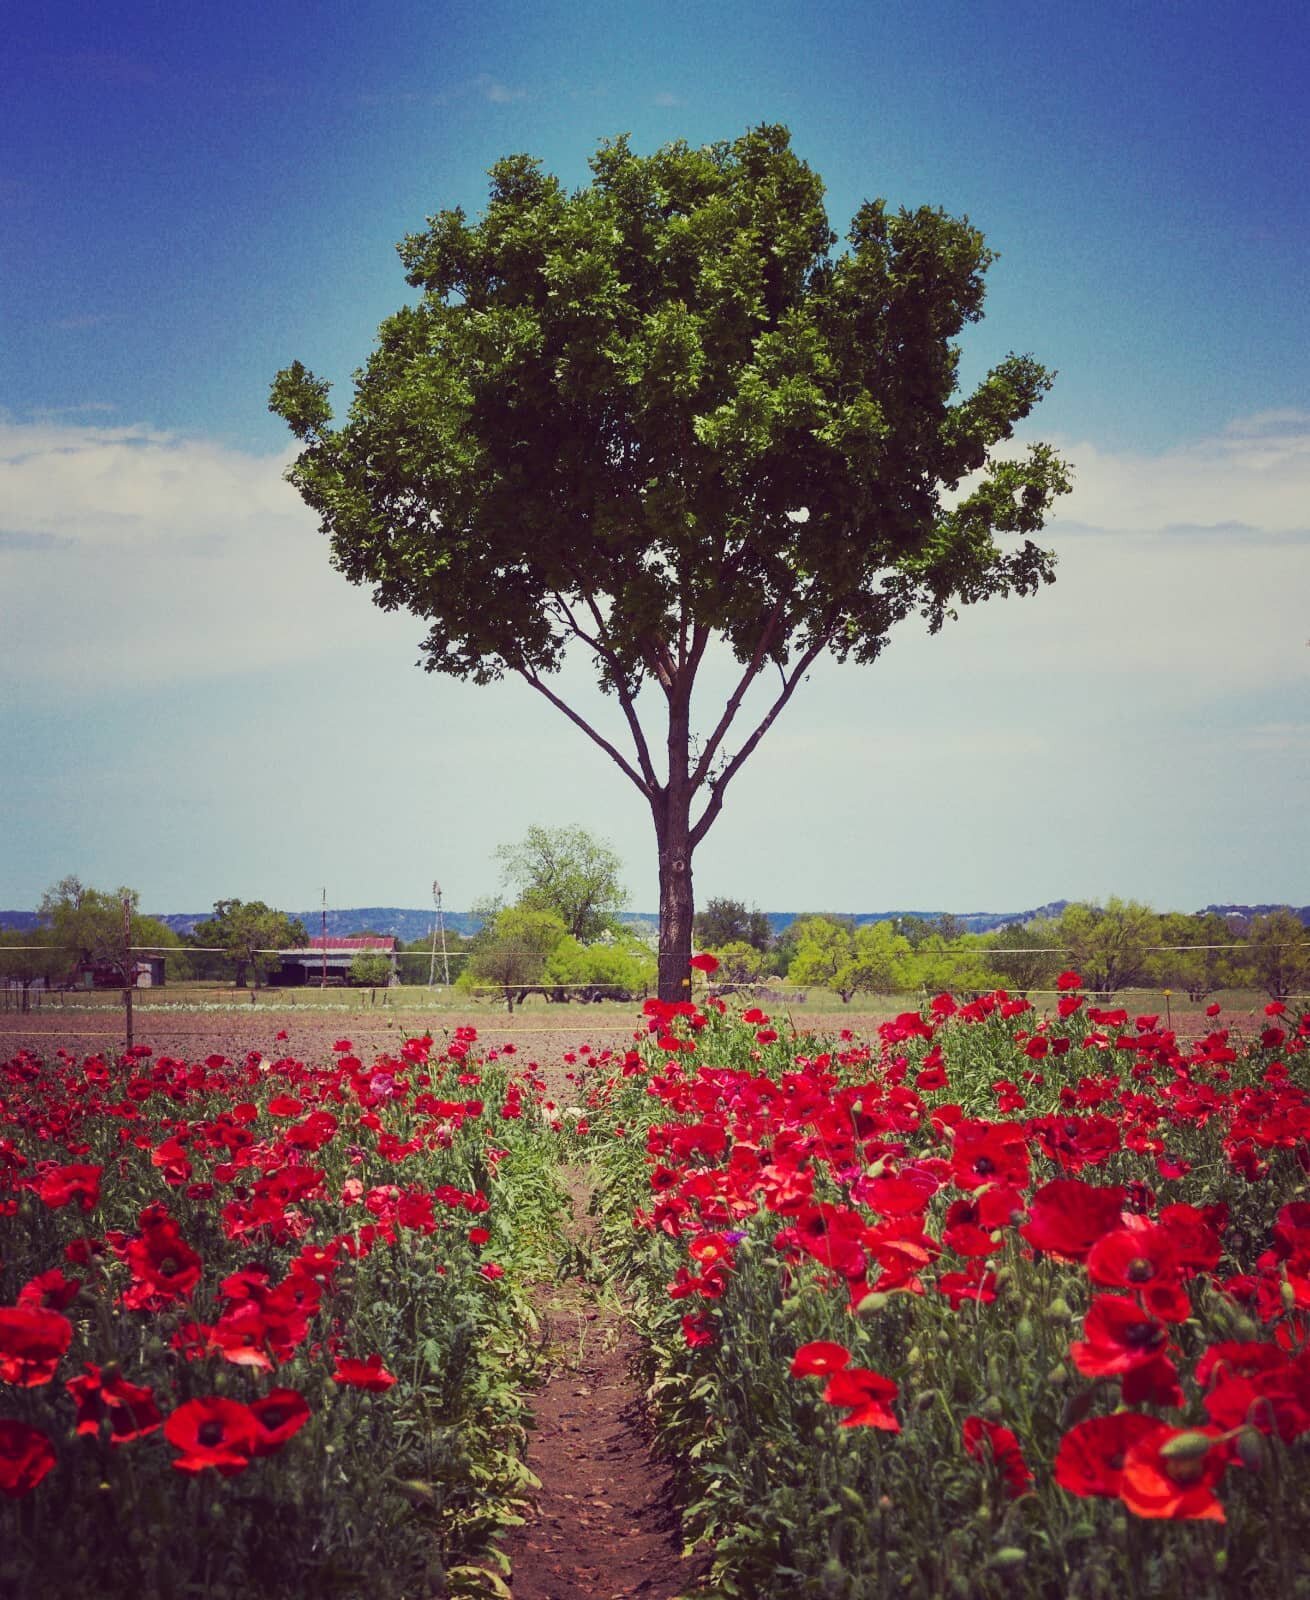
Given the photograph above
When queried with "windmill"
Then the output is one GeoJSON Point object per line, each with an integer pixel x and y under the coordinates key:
{"type": "Point", "coordinates": [438, 926]}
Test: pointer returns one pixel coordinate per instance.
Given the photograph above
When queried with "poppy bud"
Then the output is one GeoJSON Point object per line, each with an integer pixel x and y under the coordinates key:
{"type": "Point", "coordinates": [1058, 1311]}
{"type": "Point", "coordinates": [1025, 1334]}
{"type": "Point", "coordinates": [1189, 1446]}
{"type": "Point", "coordinates": [870, 1303]}
{"type": "Point", "coordinates": [1009, 1555]}
{"type": "Point", "coordinates": [1251, 1449]}
{"type": "Point", "coordinates": [914, 1356]}
{"type": "Point", "coordinates": [991, 1409]}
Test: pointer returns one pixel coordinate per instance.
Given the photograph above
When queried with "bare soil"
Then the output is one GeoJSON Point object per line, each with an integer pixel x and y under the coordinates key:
{"type": "Point", "coordinates": [605, 1526]}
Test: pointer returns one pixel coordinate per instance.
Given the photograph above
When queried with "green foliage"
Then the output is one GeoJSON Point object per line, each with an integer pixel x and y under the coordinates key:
{"type": "Point", "coordinates": [86, 925]}
{"type": "Point", "coordinates": [29, 957]}
{"type": "Point", "coordinates": [722, 922]}
{"type": "Point", "coordinates": [848, 960]}
{"type": "Point", "coordinates": [370, 969]}
{"type": "Point", "coordinates": [1109, 946]}
{"type": "Point", "coordinates": [1198, 971]}
{"type": "Point", "coordinates": [1279, 953]}
{"type": "Point", "coordinates": [739, 962]}
{"type": "Point", "coordinates": [568, 873]}
{"type": "Point", "coordinates": [511, 951]}
{"type": "Point", "coordinates": [245, 928]}
{"type": "Point", "coordinates": [619, 968]}
{"type": "Point", "coordinates": [957, 966]}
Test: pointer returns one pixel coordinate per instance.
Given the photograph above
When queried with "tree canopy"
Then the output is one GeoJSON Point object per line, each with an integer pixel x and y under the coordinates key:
{"type": "Point", "coordinates": [245, 928]}
{"type": "Point", "coordinates": [570, 873]}
{"type": "Point", "coordinates": [663, 410]}
{"type": "Point", "coordinates": [722, 921]}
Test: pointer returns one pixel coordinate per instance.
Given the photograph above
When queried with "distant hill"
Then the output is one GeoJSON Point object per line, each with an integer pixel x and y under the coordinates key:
{"type": "Point", "coordinates": [409, 923]}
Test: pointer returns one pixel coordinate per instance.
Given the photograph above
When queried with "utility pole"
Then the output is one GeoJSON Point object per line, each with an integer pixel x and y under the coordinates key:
{"type": "Point", "coordinates": [322, 983]}
{"type": "Point", "coordinates": [129, 974]}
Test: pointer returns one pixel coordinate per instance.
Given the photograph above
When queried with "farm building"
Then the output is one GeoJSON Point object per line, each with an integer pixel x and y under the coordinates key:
{"type": "Point", "coordinates": [329, 960]}
{"type": "Point", "coordinates": [147, 973]}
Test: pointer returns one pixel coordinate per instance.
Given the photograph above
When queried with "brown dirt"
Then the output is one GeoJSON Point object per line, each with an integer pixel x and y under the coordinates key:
{"type": "Point", "coordinates": [604, 1527]}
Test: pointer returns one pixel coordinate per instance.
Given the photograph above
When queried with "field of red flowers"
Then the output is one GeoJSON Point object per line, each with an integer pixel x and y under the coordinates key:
{"type": "Point", "coordinates": [995, 1303]}
{"type": "Point", "coordinates": [262, 1324]}
{"type": "Point", "coordinates": [1003, 1305]}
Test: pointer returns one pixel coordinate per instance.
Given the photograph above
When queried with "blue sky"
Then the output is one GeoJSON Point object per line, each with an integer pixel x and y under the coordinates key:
{"type": "Point", "coordinates": [194, 704]}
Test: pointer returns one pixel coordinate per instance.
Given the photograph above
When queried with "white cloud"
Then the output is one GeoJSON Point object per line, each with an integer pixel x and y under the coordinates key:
{"type": "Point", "coordinates": [127, 552]}
{"type": "Point", "coordinates": [1256, 474]}
{"type": "Point", "coordinates": [498, 93]}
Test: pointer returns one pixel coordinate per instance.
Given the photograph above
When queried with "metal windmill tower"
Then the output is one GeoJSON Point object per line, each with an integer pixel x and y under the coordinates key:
{"type": "Point", "coordinates": [438, 927]}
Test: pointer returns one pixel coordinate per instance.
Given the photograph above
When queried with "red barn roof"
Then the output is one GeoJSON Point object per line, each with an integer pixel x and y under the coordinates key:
{"type": "Point", "coordinates": [367, 941]}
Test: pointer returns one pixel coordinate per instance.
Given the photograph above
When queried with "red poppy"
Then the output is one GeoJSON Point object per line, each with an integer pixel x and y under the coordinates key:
{"type": "Point", "coordinates": [1091, 1455]}
{"type": "Point", "coordinates": [129, 1408]}
{"type": "Point", "coordinates": [50, 1289]}
{"type": "Point", "coordinates": [868, 1395]}
{"type": "Point", "coordinates": [62, 1184]}
{"type": "Point", "coordinates": [989, 1153]}
{"type": "Point", "coordinates": [819, 1358]}
{"type": "Point", "coordinates": [705, 963]}
{"type": "Point", "coordinates": [1172, 1473]}
{"type": "Point", "coordinates": [1068, 980]}
{"type": "Point", "coordinates": [1068, 1216]}
{"type": "Point", "coordinates": [26, 1455]}
{"type": "Point", "coordinates": [213, 1432]}
{"type": "Point", "coordinates": [32, 1340]}
{"type": "Point", "coordinates": [985, 1441]}
{"type": "Point", "coordinates": [1119, 1336]}
{"type": "Point", "coordinates": [369, 1374]}
{"type": "Point", "coordinates": [163, 1264]}
{"type": "Point", "coordinates": [278, 1414]}
{"type": "Point", "coordinates": [1144, 1260]}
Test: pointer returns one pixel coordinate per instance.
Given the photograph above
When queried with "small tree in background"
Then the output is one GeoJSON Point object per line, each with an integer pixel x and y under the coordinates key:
{"type": "Point", "coordinates": [1109, 945]}
{"type": "Point", "coordinates": [370, 969]}
{"type": "Point", "coordinates": [244, 929]}
{"type": "Point", "coordinates": [569, 873]}
{"type": "Point", "coordinates": [722, 922]}
{"type": "Point", "coordinates": [872, 958]}
{"type": "Point", "coordinates": [739, 962]}
{"type": "Point", "coordinates": [29, 957]}
{"type": "Point", "coordinates": [510, 953]}
{"type": "Point", "coordinates": [1278, 949]}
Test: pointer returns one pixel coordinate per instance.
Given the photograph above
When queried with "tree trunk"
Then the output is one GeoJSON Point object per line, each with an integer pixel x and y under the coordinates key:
{"type": "Point", "coordinates": [672, 811]}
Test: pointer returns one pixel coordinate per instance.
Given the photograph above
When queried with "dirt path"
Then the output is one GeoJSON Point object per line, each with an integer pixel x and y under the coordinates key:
{"type": "Point", "coordinates": [605, 1527]}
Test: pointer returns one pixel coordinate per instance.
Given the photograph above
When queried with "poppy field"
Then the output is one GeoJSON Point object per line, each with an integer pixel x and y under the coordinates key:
{"type": "Point", "coordinates": [991, 1303]}
{"type": "Point", "coordinates": [263, 1327]}
{"type": "Point", "coordinates": [1001, 1305]}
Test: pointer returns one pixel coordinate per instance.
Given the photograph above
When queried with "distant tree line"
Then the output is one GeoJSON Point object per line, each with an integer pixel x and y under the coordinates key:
{"type": "Point", "coordinates": [1120, 945]}
{"type": "Point", "coordinates": [561, 937]}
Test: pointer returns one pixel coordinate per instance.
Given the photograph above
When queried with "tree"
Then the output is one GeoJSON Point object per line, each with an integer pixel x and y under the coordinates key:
{"type": "Point", "coordinates": [1109, 946]}
{"type": "Point", "coordinates": [739, 962]}
{"type": "Point", "coordinates": [616, 969]}
{"type": "Point", "coordinates": [1278, 949]}
{"type": "Point", "coordinates": [571, 874]}
{"type": "Point", "coordinates": [721, 922]}
{"type": "Point", "coordinates": [29, 956]}
{"type": "Point", "coordinates": [510, 952]}
{"type": "Point", "coordinates": [1198, 963]}
{"type": "Point", "coordinates": [103, 931]}
{"type": "Point", "coordinates": [370, 969]}
{"type": "Point", "coordinates": [244, 929]}
{"type": "Point", "coordinates": [658, 412]}
{"type": "Point", "coordinates": [956, 965]}
{"type": "Point", "coordinates": [1028, 955]}
{"type": "Point", "coordinates": [872, 957]}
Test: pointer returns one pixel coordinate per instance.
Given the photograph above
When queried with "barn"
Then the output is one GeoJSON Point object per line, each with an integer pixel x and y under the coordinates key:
{"type": "Point", "coordinates": [328, 960]}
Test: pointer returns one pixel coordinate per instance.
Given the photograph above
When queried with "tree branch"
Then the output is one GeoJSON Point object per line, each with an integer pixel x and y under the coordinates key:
{"type": "Point", "coordinates": [717, 787]}
{"type": "Point", "coordinates": [531, 677]}
{"type": "Point", "coordinates": [626, 701]}
{"type": "Point", "coordinates": [734, 700]}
